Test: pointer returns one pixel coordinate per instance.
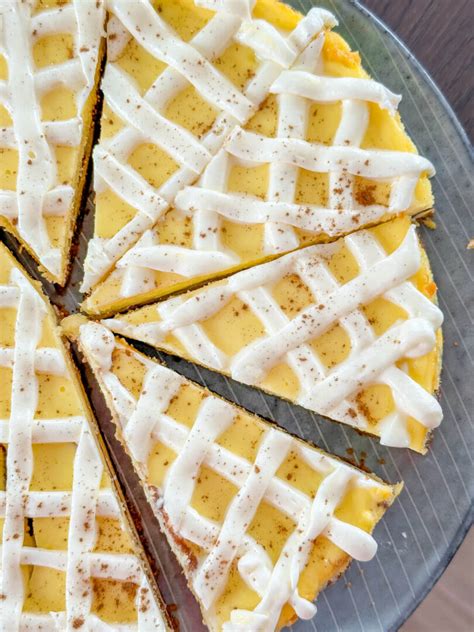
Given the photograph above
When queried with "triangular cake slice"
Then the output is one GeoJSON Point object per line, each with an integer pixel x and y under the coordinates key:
{"type": "Point", "coordinates": [259, 520]}
{"type": "Point", "coordinates": [349, 330]}
{"type": "Point", "coordinates": [50, 58]}
{"type": "Point", "coordinates": [70, 559]}
{"type": "Point", "coordinates": [326, 154]}
{"type": "Point", "coordinates": [180, 75]}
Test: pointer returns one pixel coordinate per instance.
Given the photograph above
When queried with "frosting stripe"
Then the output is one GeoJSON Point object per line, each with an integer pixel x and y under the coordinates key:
{"type": "Point", "coordinates": [151, 402]}
{"type": "Point", "coordinates": [331, 89]}
{"type": "Point", "coordinates": [36, 167]}
{"type": "Point", "coordinates": [58, 504]}
{"type": "Point", "coordinates": [49, 430]}
{"type": "Point", "coordinates": [24, 398]}
{"type": "Point", "coordinates": [322, 159]}
{"type": "Point", "coordinates": [123, 567]}
{"type": "Point", "coordinates": [46, 360]}
{"type": "Point", "coordinates": [249, 210]}
{"type": "Point", "coordinates": [87, 475]}
{"type": "Point", "coordinates": [176, 259]}
{"type": "Point", "coordinates": [56, 202]}
{"type": "Point", "coordinates": [292, 121]}
{"type": "Point", "coordinates": [57, 132]}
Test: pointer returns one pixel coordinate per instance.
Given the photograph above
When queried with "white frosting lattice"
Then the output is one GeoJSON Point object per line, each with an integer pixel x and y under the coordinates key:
{"type": "Point", "coordinates": [188, 63]}
{"type": "Point", "coordinates": [373, 359]}
{"type": "Point", "coordinates": [207, 202]}
{"type": "Point", "coordinates": [28, 359]}
{"type": "Point", "coordinates": [145, 421]}
{"type": "Point", "coordinates": [39, 193]}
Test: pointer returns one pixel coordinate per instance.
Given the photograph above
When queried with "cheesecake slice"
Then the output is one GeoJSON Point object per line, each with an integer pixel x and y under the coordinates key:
{"type": "Point", "coordinates": [50, 61]}
{"type": "Point", "coordinates": [259, 520]}
{"type": "Point", "coordinates": [350, 330]}
{"type": "Point", "coordinates": [180, 75]}
{"type": "Point", "coordinates": [70, 558]}
{"type": "Point", "coordinates": [325, 154]}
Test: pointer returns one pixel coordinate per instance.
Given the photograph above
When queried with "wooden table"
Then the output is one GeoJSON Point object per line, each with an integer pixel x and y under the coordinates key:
{"type": "Point", "coordinates": [440, 33]}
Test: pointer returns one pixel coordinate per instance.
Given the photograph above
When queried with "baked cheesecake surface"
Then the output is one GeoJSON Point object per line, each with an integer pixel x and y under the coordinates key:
{"type": "Point", "coordinates": [325, 153]}
{"type": "Point", "coordinates": [49, 69]}
{"type": "Point", "coordinates": [260, 520]}
{"type": "Point", "coordinates": [69, 557]}
{"type": "Point", "coordinates": [349, 329]}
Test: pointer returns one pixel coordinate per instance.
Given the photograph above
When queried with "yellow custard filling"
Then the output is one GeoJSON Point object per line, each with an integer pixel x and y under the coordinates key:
{"type": "Point", "coordinates": [234, 326]}
{"type": "Point", "coordinates": [361, 505]}
{"type": "Point", "coordinates": [59, 397]}
{"type": "Point", "coordinates": [246, 241]}
{"type": "Point", "coordinates": [56, 104]}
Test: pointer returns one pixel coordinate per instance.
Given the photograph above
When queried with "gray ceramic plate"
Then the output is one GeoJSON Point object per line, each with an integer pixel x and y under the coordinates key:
{"type": "Point", "coordinates": [422, 531]}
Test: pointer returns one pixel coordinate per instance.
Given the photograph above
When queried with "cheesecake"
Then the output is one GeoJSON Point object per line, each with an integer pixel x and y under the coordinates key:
{"type": "Point", "coordinates": [349, 330]}
{"type": "Point", "coordinates": [70, 557]}
{"type": "Point", "coordinates": [180, 76]}
{"type": "Point", "coordinates": [50, 62]}
{"type": "Point", "coordinates": [259, 520]}
{"type": "Point", "coordinates": [325, 154]}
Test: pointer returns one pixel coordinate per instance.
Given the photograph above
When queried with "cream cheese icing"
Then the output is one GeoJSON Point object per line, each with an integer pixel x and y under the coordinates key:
{"type": "Point", "coordinates": [38, 192]}
{"type": "Point", "coordinates": [144, 420]}
{"type": "Point", "coordinates": [188, 63]}
{"type": "Point", "coordinates": [29, 360]}
{"type": "Point", "coordinates": [373, 359]}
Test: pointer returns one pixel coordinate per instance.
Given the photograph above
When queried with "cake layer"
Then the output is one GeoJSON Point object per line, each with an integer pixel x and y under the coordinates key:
{"type": "Point", "coordinates": [180, 75]}
{"type": "Point", "coordinates": [49, 69]}
{"type": "Point", "coordinates": [260, 521]}
{"type": "Point", "coordinates": [325, 154]}
{"type": "Point", "coordinates": [70, 559]}
{"type": "Point", "coordinates": [349, 329]}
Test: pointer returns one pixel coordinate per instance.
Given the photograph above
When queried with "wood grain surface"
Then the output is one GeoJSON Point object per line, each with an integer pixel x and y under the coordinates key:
{"type": "Point", "coordinates": [440, 33]}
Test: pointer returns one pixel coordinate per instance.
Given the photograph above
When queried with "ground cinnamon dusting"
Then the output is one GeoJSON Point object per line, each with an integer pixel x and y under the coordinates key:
{"type": "Point", "coordinates": [365, 195]}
